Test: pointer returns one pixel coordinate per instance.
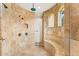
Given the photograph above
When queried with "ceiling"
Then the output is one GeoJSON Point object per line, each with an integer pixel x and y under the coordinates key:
{"type": "Point", "coordinates": [40, 7]}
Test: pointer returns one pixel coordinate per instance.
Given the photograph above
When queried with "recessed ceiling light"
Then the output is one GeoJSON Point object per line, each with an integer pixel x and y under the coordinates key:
{"type": "Point", "coordinates": [39, 7]}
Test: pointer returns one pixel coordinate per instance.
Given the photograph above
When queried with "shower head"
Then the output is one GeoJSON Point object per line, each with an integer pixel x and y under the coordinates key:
{"type": "Point", "coordinates": [4, 5]}
{"type": "Point", "coordinates": [33, 8]}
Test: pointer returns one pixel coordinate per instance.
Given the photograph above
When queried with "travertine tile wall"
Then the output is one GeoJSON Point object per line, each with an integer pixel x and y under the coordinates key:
{"type": "Point", "coordinates": [52, 34]}
{"type": "Point", "coordinates": [0, 34]}
{"type": "Point", "coordinates": [11, 25]}
{"type": "Point", "coordinates": [0, 30]}
{"type": "Point", "coordinates": [67, 29]}
{"type": "Point", "coordinates": [74, 29]}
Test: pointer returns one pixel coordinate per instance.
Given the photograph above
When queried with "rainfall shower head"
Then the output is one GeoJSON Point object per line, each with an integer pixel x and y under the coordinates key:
{"type": "Point", "coordinates": [33, 8]}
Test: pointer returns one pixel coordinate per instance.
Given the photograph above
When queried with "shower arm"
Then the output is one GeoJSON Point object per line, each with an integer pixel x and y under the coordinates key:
{"type": "Point", "coordinates": [33, 5]}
